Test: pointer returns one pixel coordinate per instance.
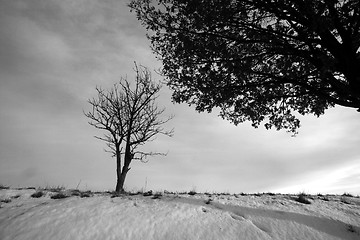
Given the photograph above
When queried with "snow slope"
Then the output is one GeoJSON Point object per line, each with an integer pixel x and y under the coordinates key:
{"type": "Point", "coordinates": [176, 216]}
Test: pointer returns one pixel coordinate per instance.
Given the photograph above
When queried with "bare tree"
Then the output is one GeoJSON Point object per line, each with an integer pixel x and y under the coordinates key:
{"type": "Point", "coordinates": [130, 117]}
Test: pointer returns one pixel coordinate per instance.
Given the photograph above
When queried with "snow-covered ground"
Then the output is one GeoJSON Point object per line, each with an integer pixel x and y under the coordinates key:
{"type": "Point", "coordinates": [176, 216]}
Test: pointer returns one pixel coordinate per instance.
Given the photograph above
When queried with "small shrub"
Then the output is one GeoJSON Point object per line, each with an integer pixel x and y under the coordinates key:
{"type": "Point", "coordinates": [302, 199]}
{"type": "Point", "coordinates": [157, 195]}
{"type": "Point", "coordinates": [37, 194]}
{"type": "Point", "coordinates": [58, 196]}
{"type": "Point", "coordinates": [181, 192]}
{"type": "Point", "coordinates": [208, 201]}
{"type": "Point", "coordinates": [192, 193]}
{"type": "Point", "coordinates": [347, 195]}
{"type": "Point", "coordinates": [85, 194]}
{"type": "Point", "coordinates": [225, 193]}
{"type": "Point", "coordinates": [8, 200]}
{"type": "Point", "coordinates": [325, 199]}
{"type": "Point", "coordinates": [4, 187]}
{"type": "Point", "coordinates": [75, 192]}
{"type": "Point", "coordinates": [148, 193]}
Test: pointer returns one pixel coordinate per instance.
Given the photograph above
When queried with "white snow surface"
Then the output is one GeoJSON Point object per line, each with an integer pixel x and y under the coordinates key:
{"type": "Point", "coordinates": [176, 216]}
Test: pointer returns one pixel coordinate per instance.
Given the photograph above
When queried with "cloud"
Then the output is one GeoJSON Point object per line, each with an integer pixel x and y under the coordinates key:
{"type": "Point", "coordinates": [27, 48]}
{"type": "Point", "coordinates": [53, 54]}
{"type": "Point", "coordinates": [339, 179]}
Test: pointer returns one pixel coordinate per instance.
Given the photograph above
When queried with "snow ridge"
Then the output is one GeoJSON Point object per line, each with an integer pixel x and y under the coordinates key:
{"type": "Point", "coordinates": [175, 216]}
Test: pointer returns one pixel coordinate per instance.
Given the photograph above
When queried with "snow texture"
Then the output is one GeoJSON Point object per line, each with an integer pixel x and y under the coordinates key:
{"type": "Point", "coordinates": [177, 216]}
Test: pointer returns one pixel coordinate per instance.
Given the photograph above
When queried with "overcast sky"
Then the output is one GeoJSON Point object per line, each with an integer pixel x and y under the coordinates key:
{"type": "Point", "coordinates": [52, 56]}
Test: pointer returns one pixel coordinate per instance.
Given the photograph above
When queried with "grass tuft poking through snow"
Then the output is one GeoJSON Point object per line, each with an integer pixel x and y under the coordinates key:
{"type": "Point", "coordinates": [157, 195]}
{"type": "Point", "coordinates": [192, 193]}
{"type": "Point", "coordinates": [4, 187]}
{"type": "Point", "coordinates": [8, 200]}
{"type": "Point", "coordinates": [59, 196]}
{"type": "Point", "coordinates": [37, 194]}
{"type": "Point", "coordinates": [302, 198]}
{"type": "Point", "coordinates": [148, 193]}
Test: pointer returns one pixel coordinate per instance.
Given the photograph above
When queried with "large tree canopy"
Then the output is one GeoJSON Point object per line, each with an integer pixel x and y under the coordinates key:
{"type": "Point", "coordinates": [258, 60]}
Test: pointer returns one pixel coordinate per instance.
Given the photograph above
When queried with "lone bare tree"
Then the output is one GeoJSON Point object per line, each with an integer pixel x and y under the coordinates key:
{"type": "Point", "coordinates": [130, 118]}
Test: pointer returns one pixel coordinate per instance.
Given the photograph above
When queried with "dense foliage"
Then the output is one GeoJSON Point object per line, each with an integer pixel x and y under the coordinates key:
{"type": "Point", "coordinates": [258, 60]}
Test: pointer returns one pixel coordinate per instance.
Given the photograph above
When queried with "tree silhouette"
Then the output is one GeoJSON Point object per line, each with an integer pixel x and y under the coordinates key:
{"type": "Point", "coordinates": [130, 118]}
{"type": "Point", "coordinates": [258, 60]}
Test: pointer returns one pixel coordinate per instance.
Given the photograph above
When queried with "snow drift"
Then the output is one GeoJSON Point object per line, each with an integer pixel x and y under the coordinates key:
{"type": "Point", "coordinates": [176, 216]}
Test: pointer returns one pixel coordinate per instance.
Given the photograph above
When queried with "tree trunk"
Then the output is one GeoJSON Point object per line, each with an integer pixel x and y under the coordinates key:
{"type": "Point", "coordinates": [121, 181]}
{"type": "Point", "coordinates": [119, 184]}
{"type": "Point", "coordinates": [121, 174]}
